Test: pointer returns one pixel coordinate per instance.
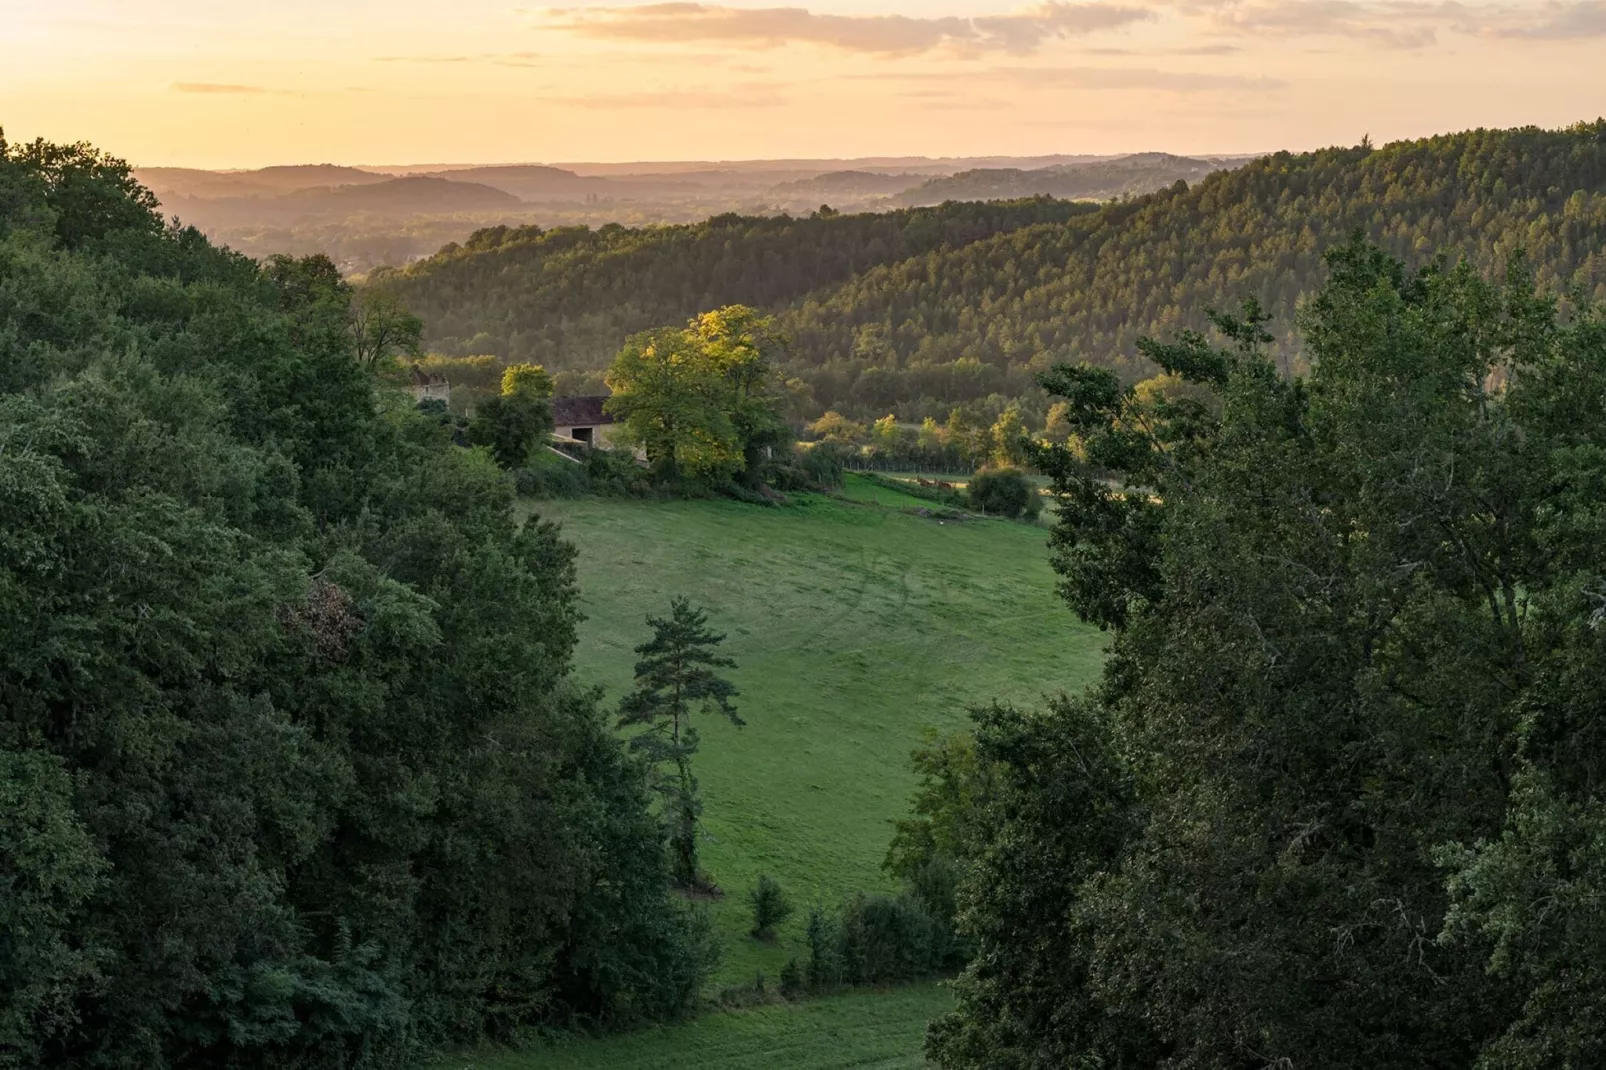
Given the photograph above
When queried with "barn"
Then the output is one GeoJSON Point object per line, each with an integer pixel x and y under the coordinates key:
{"type": "Point", "coordinates": [581, 419]}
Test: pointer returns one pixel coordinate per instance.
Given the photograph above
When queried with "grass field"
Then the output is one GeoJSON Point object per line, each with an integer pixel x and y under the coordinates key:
{"type": "Point", "coordinates": [855, 625]}
{"type": "Point", "coordinates": [869, 1030]}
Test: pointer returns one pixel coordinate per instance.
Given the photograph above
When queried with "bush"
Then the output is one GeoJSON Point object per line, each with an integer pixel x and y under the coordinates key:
{"type": "Point", "coordinates": [825, 958]}
{"type": "Point", "coordinates": [1005, 492]}
{"type": "Point", "coordinates": [824, 464]}
{"type": "Point", "coordinates": [616, 473]}
{"type": "Point", "coordinates": [791, 980]}
{"type": "Point", "coordinates": [550, 477]}
{"type": "Point", "coordinates": [881, 938]}
{"type": "Point", "coordinates": [876, 939]}
{"type": "Point", "coordinates": [770, 907]}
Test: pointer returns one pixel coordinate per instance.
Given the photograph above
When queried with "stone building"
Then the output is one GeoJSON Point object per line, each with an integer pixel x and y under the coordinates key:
{"type": "Point", "coordinates": [581, 419]}
{"type": "Point", "coordinates": [427, 387]}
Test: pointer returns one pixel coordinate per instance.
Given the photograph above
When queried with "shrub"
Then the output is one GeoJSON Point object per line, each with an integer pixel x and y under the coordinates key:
{"type": "Point", "coordinates": [791, 477]}
{"type": "Point", "coordinates": [1004, 492]}
{"type": "Point", "coordinates": [882, 938]}
{"type": "Point", "coordinates": [791, 979]}
{"type": "Point", "coordinates": [823, 464]}
{"type": "Point", "coordinates": [770, 907]}
{"type": "Point", "coordinates": [551, 477]}
{"type": "Point", "coordinates": [616, 473]}
{"type": "Point", "coordinates": [825, 958]}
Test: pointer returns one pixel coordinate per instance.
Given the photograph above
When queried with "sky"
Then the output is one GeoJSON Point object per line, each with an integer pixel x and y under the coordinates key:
{"type": "Point", "coordinates": [221, 84]}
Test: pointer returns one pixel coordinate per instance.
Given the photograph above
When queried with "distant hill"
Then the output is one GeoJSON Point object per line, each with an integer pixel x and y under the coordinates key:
{"type": "Point", "coordinates": [184, 182]}
{"type": "Point", "coordinates": [391, 198]}
{"type": "Point", "coordinates": [919, 323]}
{"type": "Point", "coordinates": [529, 182]}
{"type": "Point", "coordinates": [244, 209]}
{"type": "Point", "coordinates": [853, 184]}
{"type": "Point", "coordinates": [1099, 180]}
{"type": "Point", "coordinates": [405, 196]}
{"type": "Point", "coordinates": [567, 297]}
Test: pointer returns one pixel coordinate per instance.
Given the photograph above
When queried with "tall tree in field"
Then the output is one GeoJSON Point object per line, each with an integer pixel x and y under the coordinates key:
{"type": "Point", "coordinates": [674, 677]}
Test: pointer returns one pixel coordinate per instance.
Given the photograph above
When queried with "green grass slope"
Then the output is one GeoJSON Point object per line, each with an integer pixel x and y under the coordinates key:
{"type": "Point", "coordinates": [855, 625]}
{"type": "Point", "coordinates": [868, 1030]}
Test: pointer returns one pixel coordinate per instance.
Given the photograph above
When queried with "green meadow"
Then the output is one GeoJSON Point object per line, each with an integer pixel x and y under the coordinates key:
{"type": "Point", "coordinates": [856, 626]}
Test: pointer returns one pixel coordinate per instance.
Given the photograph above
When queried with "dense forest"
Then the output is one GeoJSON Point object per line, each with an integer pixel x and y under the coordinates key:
{"type": "Point", "coordinates": [567, 298]}
{"type": "Point", "coordinates": [918, 330]}
{"type": "Point", "coordinates": [1338, 799]}
{"type": "Point", "coordinates": [292, 771]}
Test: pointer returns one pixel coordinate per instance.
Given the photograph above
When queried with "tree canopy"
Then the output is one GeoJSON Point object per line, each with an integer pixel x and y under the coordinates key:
{"type": "Point", "coordinates": [701, 400]}
{"type": "Point", "coordinates": [292, 769]}
{"type": "Point", "coordinates": [1337, 801]}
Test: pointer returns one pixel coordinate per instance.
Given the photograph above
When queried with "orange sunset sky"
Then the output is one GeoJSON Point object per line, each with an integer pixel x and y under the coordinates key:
{"type": "Point", "coordinates": [224, 84]}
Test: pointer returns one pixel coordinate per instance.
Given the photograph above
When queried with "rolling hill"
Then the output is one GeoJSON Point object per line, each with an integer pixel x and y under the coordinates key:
{"type": "Point", "coordinates": [404, 196]}
{"type": "Point", "coordinates": [915, 330]}
{"type": "Point", "coordinates": [567, 297]}
{"type": "Point", "coordinates": [185, 182]}
{"type": "Point", "coordinates": [1099, 180]}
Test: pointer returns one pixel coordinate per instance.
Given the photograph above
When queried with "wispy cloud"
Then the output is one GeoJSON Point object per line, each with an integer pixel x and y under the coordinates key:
{"type": "Point", "coordinates": [1396, 25]}
{"type": "Point", "coordinates": [1018, 33]}
{"type": "Point", "coordinates": [757, 95]}
{"type": "Point", "coordinates": [1586, 18]}
{"type": "Point", "coordinates": [1139, 78]}
{"type": "Point", "coordinates": [1409, 24]}
{"type": "Point", "coordinates": [495, 59]}
{"type": "Point", "coordinates": [218, 88]}
{"type": "Point", "coordinates": [1128, 78]}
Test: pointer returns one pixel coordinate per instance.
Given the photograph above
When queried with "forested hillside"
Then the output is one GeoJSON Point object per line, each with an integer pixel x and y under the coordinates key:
{"type": "Point", "coordinates": [1098, 180]}
{"type": "Point", "coordinates": [1090, 288]}
{"type": "Point", "coordinates": [291, 771]}
{"type": "Point", "coordinates": [924, 325]}
{"type": "Point", "coordinates": [567, 298]}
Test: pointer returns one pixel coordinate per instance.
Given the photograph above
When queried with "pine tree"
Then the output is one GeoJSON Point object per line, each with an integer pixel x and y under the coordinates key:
{"type": "Point", "coordinates": [675, 675]}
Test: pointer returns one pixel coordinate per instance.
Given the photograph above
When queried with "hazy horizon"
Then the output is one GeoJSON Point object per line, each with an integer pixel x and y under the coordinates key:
{"type": "Point", "coordinates": [184, 83]}
{"type": "Point", "coordinates": [670, 166]}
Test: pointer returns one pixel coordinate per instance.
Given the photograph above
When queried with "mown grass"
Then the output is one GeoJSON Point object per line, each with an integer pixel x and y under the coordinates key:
{"type": "Point", "coordinates": [855, 626]}
{"type": "Point", "coordinates": [865, 1030]}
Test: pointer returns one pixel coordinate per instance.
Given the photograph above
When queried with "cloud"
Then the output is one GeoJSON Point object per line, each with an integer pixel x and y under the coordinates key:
{"type": "Point", "coordinates": [498, 59]}
{"type": "Point", "coordinates": [1395, 25]}
{"type": "Point", "coordinates": [757, 95]}
{"type": "Point", "coordinates": [1018, 33]}
{"type": "Point", "coordinates": [217, 87]}
{"type": "Point", "coordinates": [1133, 78]}
{"type": "Point", "coordinates": [1586, 18]}
{"type": "Point", "coordinates": [1409, 23]}
{"type": "Point", "coordinates": [1141, 78]}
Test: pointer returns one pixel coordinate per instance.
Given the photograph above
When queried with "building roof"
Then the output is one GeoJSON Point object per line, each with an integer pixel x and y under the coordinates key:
{"type": "Point", "coordinates": [582, 411]}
